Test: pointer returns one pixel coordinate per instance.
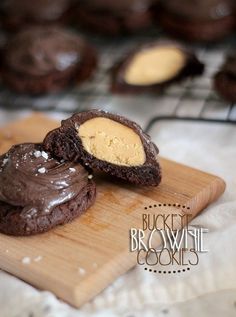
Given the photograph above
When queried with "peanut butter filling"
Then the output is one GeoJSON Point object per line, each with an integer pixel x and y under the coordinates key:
{"type": "Point", "coordinates": [154, 66]}
{"type": "Point", "coordinates": [111, 141]}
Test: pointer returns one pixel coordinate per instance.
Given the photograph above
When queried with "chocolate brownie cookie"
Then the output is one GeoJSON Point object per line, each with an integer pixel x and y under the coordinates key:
{"type": "Point", "coordinates": [38, 192]}
{"type": "Point", "coordinates": [225, 79]}
{"type": "Point", "coordinates": [153, 67]}
{"type": "Point", "coordinates": [108, 143]}
{"type": "Point", "coordinates": [114, 17]}
{"type": "Point", "coordinates": [198, 20]}
{"type": "Point", "coordinates": [15, 14]}
{"type": "Point", "coordinates": [47, 59]}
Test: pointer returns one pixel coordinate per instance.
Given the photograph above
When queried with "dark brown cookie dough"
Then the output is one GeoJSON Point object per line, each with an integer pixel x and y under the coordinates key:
{"type": "Point", "coordinates": [200, 20]}
{"type": "Point", "coordinates": [153, 67]}
{"type": "Point", "coordinates": [15, 14]}
{"type": "Point", "coordinates": [114, 17]}
{"type": "Point", "coordinates": [47, 59]}
{"type": "Point", "coordinates": [109, 143]}
{"type": "Point", "coordinates": [225, 79]}
{"type": "Point", "coordinates": [38, 192]}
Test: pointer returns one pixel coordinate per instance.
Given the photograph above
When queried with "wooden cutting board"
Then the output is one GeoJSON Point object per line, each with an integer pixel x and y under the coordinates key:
{"type": "Point", "coordinates": [80, 259]}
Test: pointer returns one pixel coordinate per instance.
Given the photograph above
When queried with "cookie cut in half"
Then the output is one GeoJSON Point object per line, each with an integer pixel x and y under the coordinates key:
{"type": "Point", "coordinates": [153, 67]}
{"type": "Point", "coordinates": [108, 143]}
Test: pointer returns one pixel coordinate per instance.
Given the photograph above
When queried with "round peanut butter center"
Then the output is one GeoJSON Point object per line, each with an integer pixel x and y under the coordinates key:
{"type": "Point", "coordinates": [111, 141]}
{"type": "Point", "coordinates": [154, 66]}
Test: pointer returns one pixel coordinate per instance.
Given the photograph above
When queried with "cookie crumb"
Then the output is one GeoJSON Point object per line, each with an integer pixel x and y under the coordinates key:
{"type": "Point", "coordinates": [81, 271]}
{"type": "Point", "coordinates": [38, 258]}
{"type": "Point", "coordinates": [7, 135]}
{"type": "Point", "coordinates": [26, 260]}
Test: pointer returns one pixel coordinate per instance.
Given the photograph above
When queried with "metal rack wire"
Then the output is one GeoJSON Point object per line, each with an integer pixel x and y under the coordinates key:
{"type": "Point", "coordinates": [200, 118]}
{"type": "Point", "coordinates": [193, 99]}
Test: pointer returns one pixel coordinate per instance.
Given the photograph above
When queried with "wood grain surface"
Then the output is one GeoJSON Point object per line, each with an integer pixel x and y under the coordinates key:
{"type": "Point", "coordinates": [80, 259]}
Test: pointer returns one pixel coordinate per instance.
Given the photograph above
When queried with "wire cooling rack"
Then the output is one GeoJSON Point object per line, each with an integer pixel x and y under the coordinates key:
{"type": "Point", "coordinates": [192, 99]}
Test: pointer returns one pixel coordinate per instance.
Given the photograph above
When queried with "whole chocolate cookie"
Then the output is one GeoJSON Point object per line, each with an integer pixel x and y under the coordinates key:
{"type": "Point", "coordinates": [154, 66]}
{"type": "Point", "coordinates": [225, 79]}
{"type": "Point", "coordinates": [114, 17]}
{"type": "Point", "coordinates": [15, 14]}
{"type": "Point", "coordinates": [108, 143]}
{"type": "Point", "coordinates": [38, 192]}
{"type": "Point", "coordinates": [47, 59]}
{"type": "Point", "coordinates": [196, 20]}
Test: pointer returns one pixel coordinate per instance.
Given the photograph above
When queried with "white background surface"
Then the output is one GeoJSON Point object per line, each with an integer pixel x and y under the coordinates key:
{"type": "Point", "coordinates": [208, 290]}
